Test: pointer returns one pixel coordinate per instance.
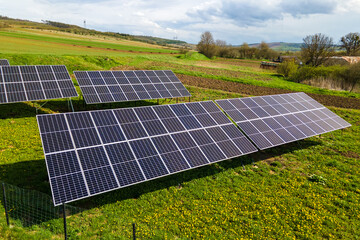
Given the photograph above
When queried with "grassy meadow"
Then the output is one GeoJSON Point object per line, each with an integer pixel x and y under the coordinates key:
{"type": "Point", "coordinates": [304, 190]}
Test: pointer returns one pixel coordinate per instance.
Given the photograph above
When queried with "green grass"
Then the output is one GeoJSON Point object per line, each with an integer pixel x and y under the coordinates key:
{"type": "Point", "coordinates": [66, 45]}
{"type": "Point", "coordinates": [306, 190]}
{"type": "Point", "coordinates": [180, 66]}
{"type": "Point", "coordinates": [266, 195]}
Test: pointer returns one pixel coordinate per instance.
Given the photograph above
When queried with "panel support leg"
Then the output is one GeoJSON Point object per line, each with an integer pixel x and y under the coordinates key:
{"type": "Point", "coordinates": [64, 216]}
{"type": "Point", "coordinates": [5, 205]}
{"type": "Point", "coordinates": [134, 231]}
{"type": "Point", "coordinates": [189, 99]}
{"type": "Point", "coordinates": [70, 105]}
{"type": "Point", "coordinates": [37, 108]}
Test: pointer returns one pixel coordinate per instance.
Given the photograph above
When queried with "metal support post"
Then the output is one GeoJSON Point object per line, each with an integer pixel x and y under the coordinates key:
{"type": "Point", "coordinates": [41, 105]}
{"type": "Point", "coordinates": [5, 205]}
{"type": "Point", "coordinates": [70, 105]}
{"type": "Point", "coordinates": [134, 231]}
{"type": "Point", "coordinates": [64, 216]}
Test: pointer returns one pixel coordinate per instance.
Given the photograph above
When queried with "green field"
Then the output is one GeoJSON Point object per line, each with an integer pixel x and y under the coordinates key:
{"type": "Point", "coordinates": [304, 190]}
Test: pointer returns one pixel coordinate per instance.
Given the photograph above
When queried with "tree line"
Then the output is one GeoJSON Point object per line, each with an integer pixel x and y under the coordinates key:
{"type": "Point", "coordinates": [211, 48]}
{"type": "Point", "coordinates": [315, 50]}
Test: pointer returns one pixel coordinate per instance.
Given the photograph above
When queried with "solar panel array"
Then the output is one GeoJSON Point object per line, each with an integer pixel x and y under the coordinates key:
{"type": "Point", "coordinates": [120, 86]}
{"type": "Point", "coordinates": [278, 119]}
{"type": "Point", "coordinates": [4, 62]}
{"type": "Point", "coordinates": [30, 83]}
{"type": "Point", "coordinates": [88, 153]}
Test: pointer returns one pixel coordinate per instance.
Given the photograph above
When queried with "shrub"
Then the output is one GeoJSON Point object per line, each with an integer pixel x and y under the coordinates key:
{"type": "Point", "coordinates": [287, 68]}
{"type": "Point", "coordinates": [351, 76]}
{"type": "Point", "coordinates": [308, 73]}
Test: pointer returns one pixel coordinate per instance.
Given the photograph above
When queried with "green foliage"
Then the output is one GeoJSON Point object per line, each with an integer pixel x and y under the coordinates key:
{"type": "Point", "coordinates": [352, 75]}
{"type": "Point", "coordinates": [207, 45]}
{"type": "Point", "coordinates": [287, 68]}
{"type": "Point", "coordinates": [309, 72]}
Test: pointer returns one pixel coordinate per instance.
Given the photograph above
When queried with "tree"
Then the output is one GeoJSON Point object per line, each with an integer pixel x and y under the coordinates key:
{"type": "Point", "coordinates": [351, 43]}
{"type": "Point", "coordinates": [266, 52]}
{"type": "Point", "coordinates": [352, 76]}
{"type": "Point", "coordinates": [287, 68]}
{"type": "Point", "coordinates": [244, 50]}
{"type": "Point", "coordinates": [222, 48]}
{"type": "Point", "coordinates": [207, 45]}
{"type": "Point", "coordinates": [317, 49]}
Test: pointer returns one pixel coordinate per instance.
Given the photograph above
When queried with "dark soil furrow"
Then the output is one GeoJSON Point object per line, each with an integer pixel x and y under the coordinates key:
{"type": "Point", "coordinates": [246, 89]}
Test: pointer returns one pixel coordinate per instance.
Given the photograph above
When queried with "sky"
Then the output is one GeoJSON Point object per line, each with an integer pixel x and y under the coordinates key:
{"type": "Point", "coordinates": [234, 21]}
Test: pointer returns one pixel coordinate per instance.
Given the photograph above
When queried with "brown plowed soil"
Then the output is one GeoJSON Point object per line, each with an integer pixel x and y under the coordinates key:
{"type": "Point", "coordinates": [246, 89]}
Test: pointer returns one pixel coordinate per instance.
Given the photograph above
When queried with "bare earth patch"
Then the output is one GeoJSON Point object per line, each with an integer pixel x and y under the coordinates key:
{"type": "Point", "coordinates": [253, 90]}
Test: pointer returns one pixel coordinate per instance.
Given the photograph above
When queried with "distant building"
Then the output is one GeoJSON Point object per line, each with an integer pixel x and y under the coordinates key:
{"type": "Point", "coordinates": [342, 60]}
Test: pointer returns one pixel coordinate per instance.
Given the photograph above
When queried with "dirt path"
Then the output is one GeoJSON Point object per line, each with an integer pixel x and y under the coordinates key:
{"type": "Point", "coordinates": [327, 100]}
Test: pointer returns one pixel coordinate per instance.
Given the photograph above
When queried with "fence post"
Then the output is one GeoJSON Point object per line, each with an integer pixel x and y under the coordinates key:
{"type": "Point", "coordinates": [64, 215]}
{"type": "Point", "coordinates": [5, 205]}
{"type": "Point", "coordinates": [134, 231]}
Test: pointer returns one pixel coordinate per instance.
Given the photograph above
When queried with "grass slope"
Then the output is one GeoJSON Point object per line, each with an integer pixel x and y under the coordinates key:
{"type": "Point", "coordinates": [308, 189]}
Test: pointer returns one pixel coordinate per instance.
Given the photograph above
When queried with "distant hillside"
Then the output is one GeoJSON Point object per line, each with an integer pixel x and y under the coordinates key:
{"type": "Point", "coordinates": [51, 25]}
{"type": "Point", "coordinates": [281, 46]}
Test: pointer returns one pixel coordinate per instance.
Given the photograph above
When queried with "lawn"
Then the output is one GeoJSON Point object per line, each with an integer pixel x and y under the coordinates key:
{"type": "Point", "coordinates": [307, 190]}
{"type": "Point", "coordinates": [35, 43]}
{"type": "Point", "coordinates": [271, 194]}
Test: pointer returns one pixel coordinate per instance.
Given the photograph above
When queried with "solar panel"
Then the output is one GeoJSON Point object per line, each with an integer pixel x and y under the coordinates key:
{"type": "Point", "coordinates": [92, 152]}
{"type": "Point", "coordinates": [31, 83]}
{"type": "Point", "coordinates": [278, 119]}
{"type": "Point", "coordinates": [121, 86]}
{"type": "Point", "coordinates": [4, 62]}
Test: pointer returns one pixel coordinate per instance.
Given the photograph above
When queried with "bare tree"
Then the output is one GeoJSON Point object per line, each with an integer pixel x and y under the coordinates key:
{"type": "Point", "coordinates": [316, 49]}
{"type": "Point", "coordinates": [246, 51]}
{"type": "Point", "coordinates": [222, 48]}
{"type": "Point", "coordinates": [352, 76]}
{"type": "Point", "coordinates": [266, 52]}
{"type": "Point", "coordinates": [351, 43]}
{"type": "Point", "coordinates": [207, 45]}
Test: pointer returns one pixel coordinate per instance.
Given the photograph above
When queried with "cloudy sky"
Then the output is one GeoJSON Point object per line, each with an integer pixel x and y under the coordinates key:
{"type": "Point", "coordinates": [235, 21]}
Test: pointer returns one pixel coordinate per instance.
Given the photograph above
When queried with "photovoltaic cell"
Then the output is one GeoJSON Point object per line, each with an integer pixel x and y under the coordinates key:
{"type": "Point", "coordinates": [278, 119]}
{"type": "Point", "coordinates": [32, 83]}
{"type": "Point", "coordinates": [4, 62]}
{"type": "Point", "coordinates": [92, 152]}
{"type": "Point", "coordinates": [121, 86]}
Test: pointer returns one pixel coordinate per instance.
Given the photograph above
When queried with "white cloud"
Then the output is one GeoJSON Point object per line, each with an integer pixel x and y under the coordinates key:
{"type": "Point", "coordinates": [235, 21]}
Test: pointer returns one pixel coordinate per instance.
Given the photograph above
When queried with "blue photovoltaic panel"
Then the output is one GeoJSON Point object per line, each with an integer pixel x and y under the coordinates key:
{"type": "Point", "coordinates": [278, 119]}
{"type": "Point", "coordinates": [121, 86]}
{"type": "Point", "coordinates": [4, 62]}
{"type": "Point", "coordinates": [32, 83]}
{"type": "Point", "coordinates": [88, 153]}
